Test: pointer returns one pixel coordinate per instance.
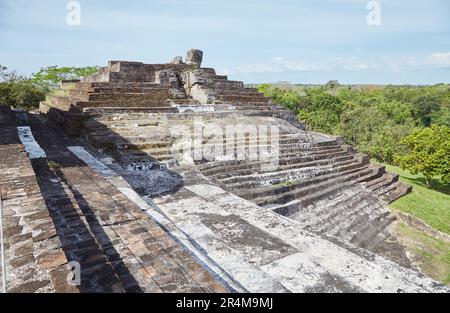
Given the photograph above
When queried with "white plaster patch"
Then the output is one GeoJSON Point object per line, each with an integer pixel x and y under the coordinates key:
{"type": "Point", "coordinates": [91, 161]}
{"type": "Point", "coordinates": [33, 149]}
{"type": "Point", "coordinates": [195, 109]}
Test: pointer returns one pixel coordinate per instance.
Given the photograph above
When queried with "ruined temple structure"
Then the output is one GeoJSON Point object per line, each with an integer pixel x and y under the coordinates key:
{"type": "Point", "coordinates": [316, 220]}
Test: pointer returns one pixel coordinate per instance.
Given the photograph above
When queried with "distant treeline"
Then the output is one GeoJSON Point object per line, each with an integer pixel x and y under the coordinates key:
{"type": "Point", "coordinates": [399, 125]}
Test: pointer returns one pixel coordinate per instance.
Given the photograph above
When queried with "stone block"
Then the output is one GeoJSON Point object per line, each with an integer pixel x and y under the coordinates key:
{"type": "Point", "coordinates": [51, 259]}
{"type": "Point", "coordinates": [194, 57]}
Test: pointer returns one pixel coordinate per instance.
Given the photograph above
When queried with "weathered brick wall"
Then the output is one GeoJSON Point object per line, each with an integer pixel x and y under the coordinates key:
{"type": "Point", "coordinates": [123, 71]}
{"type": "Point", "coordinates": [34, 259]}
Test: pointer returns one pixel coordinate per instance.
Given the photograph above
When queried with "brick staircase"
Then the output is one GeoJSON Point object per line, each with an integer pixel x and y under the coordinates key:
{"type": "Point", "coordinates": [129, 112]}
{"type": "Point", "coordinates": [58, 210]}
{"type": "Point", "coordinates": [129, 108]}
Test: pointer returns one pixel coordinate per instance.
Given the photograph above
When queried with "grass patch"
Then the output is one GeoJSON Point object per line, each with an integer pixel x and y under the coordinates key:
{"type": "Point", "coordinates": [59, 92]}
{"type": "Point", "coordinates": [285, 183]}
{"type": "Point", "coordinates": [430, 205]}
{"type": "Point", "coordinates": [431, 254]}
{"type": "Point", "coordinates": [53, 165]}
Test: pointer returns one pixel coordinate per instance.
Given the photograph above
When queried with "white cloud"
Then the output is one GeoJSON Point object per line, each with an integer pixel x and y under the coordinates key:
{"type": "Point", "coordinates": [279, 64]}
{"type": "Point", "coordinates": [439, 58]}
{"type": "Point", "coordinates": [274, 65]}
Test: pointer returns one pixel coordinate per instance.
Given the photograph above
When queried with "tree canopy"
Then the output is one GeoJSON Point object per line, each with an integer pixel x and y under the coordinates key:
{"type": "Point", "coordinates": [428, 152]}
{"type": "Point", "coordinates": [26, 92]}
{"type": "Point", "coordinates": [375, 119]}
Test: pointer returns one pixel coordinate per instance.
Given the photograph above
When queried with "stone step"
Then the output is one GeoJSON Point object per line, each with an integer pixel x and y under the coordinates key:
{"type": "Point", "coordinates": [299, 165]}
{"type": "Point", "coordinates": [126, 97]}
{"type": "Point", "coordinates": [369, 236]}
{"type": "Point", "coordinates": [258, 153]}
{"type": "Point", "coordinates": [294, 206]}
{"type": "Point", "coordinates": [388, 186]}
{"type": "Point", "coordinates": [131, 89]}
{"type": "Point", "coordinates": [115, 242]}
{"type": "Point", "coordinates": [108, 86]}
{"type": "Point", "coordinates": [101, 111]}
{"type": "Point", "coordinates": [124, 85]}
{"type": "Point", "coordinates": [60, 101]}
{"type": "Point", "coordinates": [382, 182]}
{"type": "Point", "coordinates": [217, 83]}
{"type": "Point", "coordinates": [279, 176]}
{"type": "Point", "coordinates": [285, 150]}
{"type": "Point", "coordinates": [371, 179]}
{"type": "Point", "coordinates": [227, 91]}
{"type": "Point", "coordinates": [119, 143]}
{"type": "Point", "coordinates": [263, 107]}
{"type": "Point", "coordinates": [349, 225]}
{"type": "Point", "coordinates": [302, 148]}
{"type": "Point", "coordinates": [309, 192]}
{"type": "Point", "coordinates": [245, 168]}
{"type": "Point", "coordinates": [284, 184]}
{"type": "Point", "coordinates": [166, 151]}
{"type": "Point", "coordinates": [240, 93]}
{"type": "Point", "coordinates": [221, 77]}
{"type": "Point", "coordinates": [123, 103]}
{"type": "Point", "coordinates": [284, 140]}
{"type": "Point", "coordinates": [368, 184]}
{"type": "Point", "coordinates": [76, 85]}
{"type": "Point", "coordinates": [400, 190]}
{"type": "Point", "coordinates": [355, 217]}
{"type": "Point", "coordinates": [326, 216]}
{"type": "Point", "coordinates": [244, 99]}
{"type": "Point", "coordinates": [365, 224]}
{"type": "Point", "coordinates": [136, 160]}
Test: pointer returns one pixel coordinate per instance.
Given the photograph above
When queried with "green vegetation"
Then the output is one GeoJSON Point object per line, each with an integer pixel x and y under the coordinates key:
{"type": "Point", "coordinates": [430, 253]}
{"type": "Point", "coordinates": [25, 92]}
{"type": "Point", "coordinates": [21, 93]}
{"type": "Point", "coordinates": [428, 153]}
{"type": "Point", "coordinates": [431, 206]}
{"type": "Point", "coordinates": [394, 124]}
{"type": "Point", "coordinates": [54, 165]}
{"type": "Point", "coordinates": [50, 76]}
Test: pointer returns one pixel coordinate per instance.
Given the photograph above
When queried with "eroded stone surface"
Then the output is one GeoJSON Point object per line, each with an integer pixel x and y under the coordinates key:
{"type": "Point", "coordinates": [78, 216]}
{"type": "Point", "coordinates": [27, 224]}
{"type": "Point", "coordinates": [296, 226]}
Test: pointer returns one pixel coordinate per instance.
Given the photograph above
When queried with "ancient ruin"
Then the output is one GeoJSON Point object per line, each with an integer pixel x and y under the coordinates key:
{"type": "Point", "coordinates": [133, 184]}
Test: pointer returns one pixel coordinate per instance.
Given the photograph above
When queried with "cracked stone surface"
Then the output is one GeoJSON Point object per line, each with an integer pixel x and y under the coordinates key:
{"type": "Point", "coordinates": [142, 214]}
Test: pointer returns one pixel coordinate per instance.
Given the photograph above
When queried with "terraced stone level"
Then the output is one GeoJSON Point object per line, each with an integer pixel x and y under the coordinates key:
{"type": "Point", "coordinates": [69, 213]}
{"type": "Point", "coordinates": [139, 118]}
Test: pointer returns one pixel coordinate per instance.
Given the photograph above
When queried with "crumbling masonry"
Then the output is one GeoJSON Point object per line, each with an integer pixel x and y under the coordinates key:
{"type": "Point", "coordinates": [165, 221]}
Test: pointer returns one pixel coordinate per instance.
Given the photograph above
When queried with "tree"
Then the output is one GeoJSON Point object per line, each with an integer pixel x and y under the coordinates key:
{"type": "Point", "coordinates": [358, 125]}
{"type": "Point", "coordinates": [21, 93]}
{"type": "Point", "coordinates": [428, 153]}
{"type": "Point", "coordinates": [3, 71]}
{"type": "Point", "coordinates": [424, 107]}
{"type": "Point", "coordinates": [332, 84]}
{"type": "Point", "coordinates": [282, 96]}
{"type": "Point", "coordinates": [50, 76]}
{"type": "Point", "coordinates": [384, 143]}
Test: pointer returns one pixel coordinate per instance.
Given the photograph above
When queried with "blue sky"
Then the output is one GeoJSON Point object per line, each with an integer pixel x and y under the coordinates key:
{"type": "Point", "coordinates": [310, 41]}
